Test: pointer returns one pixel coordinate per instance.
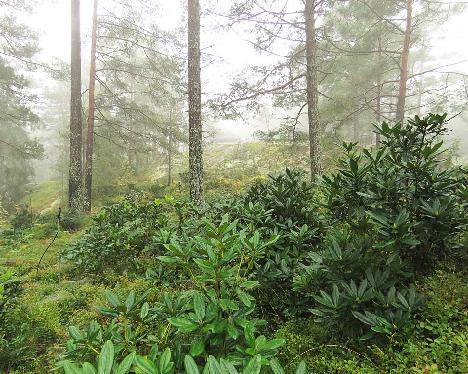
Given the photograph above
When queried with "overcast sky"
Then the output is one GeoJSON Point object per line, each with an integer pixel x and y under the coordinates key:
{"type": "Point", "coordinates": [52, 20]}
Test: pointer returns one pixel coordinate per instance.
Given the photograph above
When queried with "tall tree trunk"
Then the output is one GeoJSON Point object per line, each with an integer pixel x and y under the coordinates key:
{"type": "Point", "coordinates": [75, 183]}
{"type": "Point", "coordinates": [91, 108]}
{"type": "Point", "coordinates": [400, 111]}
{"type": "Point", "coordinates": [312, 89]}
{"type": "Point", "coordinates": [169, 152]}
{"type": "Point", "coordinates": [194, 103]}
{"type": "Point", "coordinates": [378, 108]}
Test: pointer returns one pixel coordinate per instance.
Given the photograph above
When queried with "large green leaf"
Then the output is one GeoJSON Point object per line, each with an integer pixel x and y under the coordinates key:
{"type": "Point", "coordinates": [126, 364]}
{"type": "Point", "coordinates": [106, 358]}
{"type": "Point", "coordinates": [71, 368]}
{"type": "Point", "coordinates": [227, 367]}
{"type": "Point", "coordinates": [270, 345]}
{"type": "Point", "coordinates": [165, 363]}
{"type": "Point", "coordinates": [199, 306]}
{"type": "Point", "coordinates": [130, 300]}
{"type": "Point", "coordinates": [183, 324]}
{"type": "Point", "coordinates": [88, 368]}
{"type": "Point", "coordinates": [212, 366]}
{"type": "Point", "coordinates": [168, 259]}
{"type": "Point", "coordinates": [112, 298]}
{"type": "Point", "coordinates": [254, 366]}
{"type": "Point", "coordinates": [190, 365]}
{"type": "Point", "coordinates": [76, 333]}
{"type": "Point", "coordinates": [144, 310]}
{"type": "Point", "coordinates": [145, 366]}
{"type": "Point", "coordinates": [197, 347]}
{"type": "Point", "coordinates": [276, 367]}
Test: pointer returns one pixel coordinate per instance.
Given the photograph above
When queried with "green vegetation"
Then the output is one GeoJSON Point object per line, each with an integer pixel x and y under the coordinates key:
{"type": "Point", "coordinates": [361, 273]}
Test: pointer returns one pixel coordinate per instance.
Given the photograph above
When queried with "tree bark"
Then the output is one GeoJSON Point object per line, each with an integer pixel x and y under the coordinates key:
{"type": "Point", "coordinates": [75, 183]}
{"type": "Point", "coordinates": [194, 104]}
{"type": "Point", "coordinates": [91, 109]}
{"type": "Point", "coordinates": [169, 152]}
{"type": "Point", "coordinates": [312, 89]}
{"type": "Point", "coordinates": [378, 109]}
{"type": "Point", "coordinates": [400, 111]}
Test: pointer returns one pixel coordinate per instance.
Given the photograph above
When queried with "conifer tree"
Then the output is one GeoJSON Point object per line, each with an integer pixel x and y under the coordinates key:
{"type": "Point", "coordinates": [194, 103]}
{"type": "Point", "coordinates": [75, 182]}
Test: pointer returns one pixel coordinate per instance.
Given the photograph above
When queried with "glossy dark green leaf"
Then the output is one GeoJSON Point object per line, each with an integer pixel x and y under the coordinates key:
{"type": "Point", "coordinates": [126, 364]}
{"type": "Point", "coordinates": [71, 368]}
{"type": "Point", "coordinates": [145, 365]}
{"type": "Point", "coordinates": [165, 363]}
{"type": "Point", "coordinates": [88, 368]}
{"type": "Point", "coordinates": [276, 367]}
{"type": "Point", "coordinates": [254, 366]}
{"type": "Point", "coordinates": [190, 365]}
{"type": "Point", "coordinates": [106, 358]}
{"type": "Point", "coordinates": [144, 311]}
{"type": "Point", "coordinates": [76, 333]}
{"type": "Point", "coordinates": [183, 324]}
{"type": "Point", "coordinates": [199, 306]}
{"type": "Point", "coordinates": [112, 298]}
{"type": "Point", "coordinates": [197, 347]}
{"type": "Point", "coordinates": [130, 301]}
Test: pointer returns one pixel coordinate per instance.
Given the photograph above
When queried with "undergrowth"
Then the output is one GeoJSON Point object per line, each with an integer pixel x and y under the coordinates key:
{"type": "Point", "coordinates": [360, 273]}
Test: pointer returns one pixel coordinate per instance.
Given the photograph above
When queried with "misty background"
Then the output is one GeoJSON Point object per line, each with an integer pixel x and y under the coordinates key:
{"type": "Point", "coordinates": [229, 51]}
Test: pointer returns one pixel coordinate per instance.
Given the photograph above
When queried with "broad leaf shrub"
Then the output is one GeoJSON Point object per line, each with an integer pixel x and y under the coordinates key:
{"type": "Point", "coordinates": [405, 183]}
{"type": "Point", "coordinates": [435, 343]}
{"type": "Point", "coordinates": [361, 293]}
{"type": "Point", "coordinates": [396, 210]}
{"type": "Point", "coordinates": [221, 265]}
{"type": "Point", "coordinates": [286, 195]}
{"type": "Point", "coordinates": [281, 206]}
{"type": "Point", "coordinates": [350, 249]}
{"type": "Point", "coordinates": [118, 235]}
{"type": "Point", "coordinates": [293, 217]}
{"type": "Point", "coordinates": [162, 363]}
{"type": "Point", "coordinates": [210, 323]}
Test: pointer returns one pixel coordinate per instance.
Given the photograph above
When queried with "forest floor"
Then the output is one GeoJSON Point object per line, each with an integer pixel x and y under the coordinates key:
{"type": "Point", "coordinates": [54, 297]}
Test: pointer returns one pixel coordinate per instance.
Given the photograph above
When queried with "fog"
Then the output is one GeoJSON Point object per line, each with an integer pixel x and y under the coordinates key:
{"type": "Point", "coordinates": [233, 186]}
{"type": "Point", "coordinates": [240, 99]}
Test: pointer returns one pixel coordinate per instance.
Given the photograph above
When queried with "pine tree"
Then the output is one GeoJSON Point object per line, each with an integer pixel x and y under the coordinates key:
{"type": "Point", "coordinates": [139, 84]}
{"type": "Point", "coordinates": [91, 109]}
{"type": "Point", "coordinates": [289, 33]}
{"type": "Point", "coordinates": [18, 46]}
{"type": "Point", "coordinates": [194, 102]}
{"type": "Point", "coordinates": [75, 181]}
{"type": "Point", "coordinates": [312, 88]}
{"type": "Point", "coordinates": [400, 109]}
